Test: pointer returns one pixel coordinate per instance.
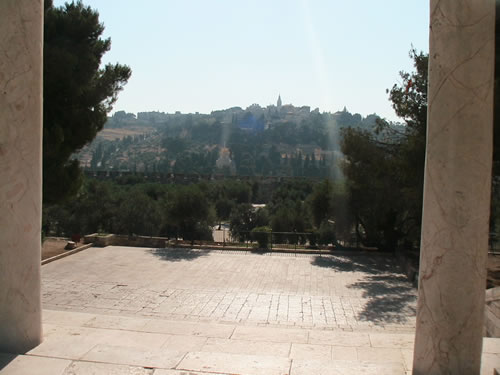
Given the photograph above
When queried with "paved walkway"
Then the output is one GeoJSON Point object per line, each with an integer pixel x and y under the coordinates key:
{"type": "Point", "coordinates": [134, 311]}
{"type": "Point", "coordinates": [282, 289]}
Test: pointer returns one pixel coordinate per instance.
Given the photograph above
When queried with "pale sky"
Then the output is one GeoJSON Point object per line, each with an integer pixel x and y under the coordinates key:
{"type": "Point", "coordinates": [204, 55]}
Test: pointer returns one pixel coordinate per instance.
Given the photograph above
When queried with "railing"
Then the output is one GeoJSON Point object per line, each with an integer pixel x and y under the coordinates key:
{"type": "Point", "coordinates": [223, 238]}
{"type": "Point", "coordinates": [270, 240]}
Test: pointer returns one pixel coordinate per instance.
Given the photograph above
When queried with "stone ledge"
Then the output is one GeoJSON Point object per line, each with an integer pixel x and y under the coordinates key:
{"type": "Point", "coordinates": [492, 312]}
{"type": "Point", "coordinates": [67, 253]}
{"type": "Point", "coordinates": [492, 294]}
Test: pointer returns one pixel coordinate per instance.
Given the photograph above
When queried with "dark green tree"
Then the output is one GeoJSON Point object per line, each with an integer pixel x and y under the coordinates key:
{"type": "Point", "coordinates": [242, 221]}
{"type": "Point", "coordinates": [326, 233]}
{"type": "Point", "coordinates": [78, 92]}
{"type": "Point", "coordinates": [290, 217]}
{"type": "Point", "coordinates": [371, 184]}
{"type": "Point", "coordinates": [262, 235]}
{"type": "Point", "coordinates": [223, 207]}
{"type": "Point", "coordinates": [189, 213]}
{"type": "Point", "coordinates": [321, 203]}
{"type": "Point", "coordinates": [244, 218]}
{"type": "Point", "coordinates": [328, 206]}
{"type": "Point", "coordinates": [385, 170]}
{"type": "Point", "coordinates": [138, 214]}
{"type": "Point", "coordinates": [94, 209]}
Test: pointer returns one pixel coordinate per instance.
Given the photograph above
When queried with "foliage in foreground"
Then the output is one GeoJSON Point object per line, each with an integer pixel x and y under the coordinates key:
{"type": "Point", "coordinates": [78, 92]}
{"type": "Point", "coordinates": [385, 171]}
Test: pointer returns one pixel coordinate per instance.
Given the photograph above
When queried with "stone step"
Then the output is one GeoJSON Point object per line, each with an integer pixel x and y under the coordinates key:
{"type": "Point", "coordinates": [83, 343]}
{"type": "Point", "coordinates": [308, 367]}
{"type": "Point", "coordinates": [193, 364]}
{"type": "Point", "coordinates": [267, 365]}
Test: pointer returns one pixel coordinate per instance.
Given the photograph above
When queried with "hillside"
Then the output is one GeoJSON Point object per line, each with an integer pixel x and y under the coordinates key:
{"type": "Point", "coordinates": [280, 140]}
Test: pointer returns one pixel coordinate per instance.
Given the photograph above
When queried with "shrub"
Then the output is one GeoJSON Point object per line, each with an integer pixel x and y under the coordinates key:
{"type": "Point", "coordinates": [326, 233]}
{"type": "Point", "coordinates": [261, 235]}
{"type": "Point", "coordinates": [312, 236]}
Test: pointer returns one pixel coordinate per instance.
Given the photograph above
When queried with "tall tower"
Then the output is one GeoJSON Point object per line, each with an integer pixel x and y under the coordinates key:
{"type": "Point", "coordinates": [279, 101]}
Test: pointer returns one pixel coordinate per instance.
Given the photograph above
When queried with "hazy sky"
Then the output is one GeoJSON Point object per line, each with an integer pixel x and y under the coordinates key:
{"type": "Point", "coordinates": [203, 55]}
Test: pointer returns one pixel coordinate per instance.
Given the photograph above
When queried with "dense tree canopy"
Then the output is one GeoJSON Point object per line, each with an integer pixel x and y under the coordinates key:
{"type": "Point", "coordinates": [385, 170]}
{"type": "Point", "coordinates": [189, 214]}
{"type": "Point", "coordinates": [78, 92]}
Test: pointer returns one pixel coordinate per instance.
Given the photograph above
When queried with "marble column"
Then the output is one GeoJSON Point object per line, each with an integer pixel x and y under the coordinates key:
{"type": "Point", "coordinates": [457, 184]}
{"type": "Point", "coordinates": [21, 45]}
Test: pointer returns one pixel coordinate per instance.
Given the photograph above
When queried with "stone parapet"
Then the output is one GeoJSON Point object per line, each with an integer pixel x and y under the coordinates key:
{"type": "Point", "coordinates": [124, 240]}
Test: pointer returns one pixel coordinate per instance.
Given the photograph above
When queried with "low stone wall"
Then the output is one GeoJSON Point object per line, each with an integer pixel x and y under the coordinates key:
{"type": "Point", "coordinates": [139, 241]}
{"type": "Point", "coordinates": [90, 238]}
{"type": "Point", "coordinates": [99, 240]}
{"type": "Point", "coordinates": [124, 240]}
{"type": "Point", "coordinates": [67, 253]}
{"type": "Point", "coordinates": [492, 313]}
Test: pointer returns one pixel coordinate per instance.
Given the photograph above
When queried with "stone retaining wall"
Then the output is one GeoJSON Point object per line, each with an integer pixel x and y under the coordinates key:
{"type": "Point", "coordinates": [124, 240]}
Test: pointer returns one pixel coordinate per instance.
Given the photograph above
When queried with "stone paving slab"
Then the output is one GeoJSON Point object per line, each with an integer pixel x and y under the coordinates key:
{"type": "Point", "coordinates": [93, 368]}
{"type": "Point", "coordinates": [168, 312]}
{"type": "Point", "coordinates": [235, 346]}
{"type": "Point", "coordinates": [392, 340]}
{"type": "Point", "coordinates": [491, 345]}
{"type": "Point", "coordinates": [158, 358]}
{"type": "Point", "coordinates": [62, 318]}
{"type": "Point", "coordinates": [178, 372]}
{"type": "Point", "coordinates": [271, 334]}
{"type": "Point", "coordinates": [11, 364]}
{"type": "Point", "coordinates": [342, 292]}
{"type": "Point", "coordinates": [384, 355]}
{"type": "Point", "coordinates": [74, 349]}
{"type": "Point", "coordinates": [190, 328]}
{"type": "Point", "coordinates": [185, 343]}
{"type": "Point", "coordinates": [339, 338]}
{"type": "Point", "coordinates": [309, 367]}
{"type": "Point", "coordinates": [67, 342]}
{"type": "Point", "coordinates": [316, 352]}
{"type": "Point", "coordinates": [235, 363]}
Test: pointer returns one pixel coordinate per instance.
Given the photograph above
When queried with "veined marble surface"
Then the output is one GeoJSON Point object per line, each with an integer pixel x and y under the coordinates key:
{"type": "Point", "coordinates": [457, 187]}
{"type": "Point", "coordinates": [21, 31]}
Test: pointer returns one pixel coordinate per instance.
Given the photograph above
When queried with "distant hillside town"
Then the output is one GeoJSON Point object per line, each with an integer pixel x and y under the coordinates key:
{"type": "Point", "coordinates": [276, 140]}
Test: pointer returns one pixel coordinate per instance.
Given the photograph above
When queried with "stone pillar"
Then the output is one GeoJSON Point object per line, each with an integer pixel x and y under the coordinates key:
{"type": "Point", "coordinates": [457, 185]}
{"type": "Point", "coordinates": [21, 44]}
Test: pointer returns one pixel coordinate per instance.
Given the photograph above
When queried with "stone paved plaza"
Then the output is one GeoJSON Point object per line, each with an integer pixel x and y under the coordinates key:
{"type": "Point", "coordinates": [137, 311]}
{"type": "Point", "coordinates": [346, 292]}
